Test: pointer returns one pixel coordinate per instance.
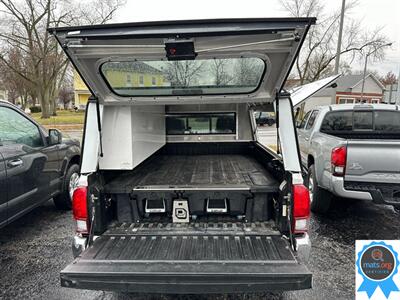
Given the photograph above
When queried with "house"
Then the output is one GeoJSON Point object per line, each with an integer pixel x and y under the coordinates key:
{"type": "Point", "coordinates": [81, 92]}
{"type": "Point", "coordinates": [392, 94]}
{"type": "Point", "coordinates": [137, 74]}
{"type": "Point", "coordinates": [121, 75]}
{"type": "Point", "coordinates": [3, 95]}
{"type": "Point", "coordinates": [348, 90]}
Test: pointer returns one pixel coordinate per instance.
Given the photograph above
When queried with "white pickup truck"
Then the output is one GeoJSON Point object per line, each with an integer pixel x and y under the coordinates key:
{"type": "Point", "coordinates": [175, 193]}
{"type": "Point", "coordinates": [351, 151]}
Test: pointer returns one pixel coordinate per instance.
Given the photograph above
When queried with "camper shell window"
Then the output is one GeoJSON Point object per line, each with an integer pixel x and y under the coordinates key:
{"type": "Point", "coordinates": [201, 123]}
{"type": "Point", "coordinates": [184, 77]}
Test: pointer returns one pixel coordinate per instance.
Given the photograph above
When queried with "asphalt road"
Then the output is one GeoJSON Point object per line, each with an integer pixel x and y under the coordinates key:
{"type": "Point", "coordinates": [267, 136]}
{"type": "Point", "coordinates": [36, 247]}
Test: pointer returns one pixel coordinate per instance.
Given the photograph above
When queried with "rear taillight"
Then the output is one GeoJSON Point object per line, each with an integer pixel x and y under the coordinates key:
{"type": "Point", "coordinates": [301, 208]}
{"type": "Point", "coordinates": [338, 160]}
{"type": "Point", "coordinates": [79, 209]}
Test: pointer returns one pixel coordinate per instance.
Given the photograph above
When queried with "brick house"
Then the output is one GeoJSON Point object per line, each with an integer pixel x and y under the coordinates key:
{"type": "Point", "coordinates": [348, 90]}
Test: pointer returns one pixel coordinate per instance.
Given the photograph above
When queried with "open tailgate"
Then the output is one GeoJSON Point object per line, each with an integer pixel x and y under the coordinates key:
{"type": "Point", "coordinates": [192, 258]}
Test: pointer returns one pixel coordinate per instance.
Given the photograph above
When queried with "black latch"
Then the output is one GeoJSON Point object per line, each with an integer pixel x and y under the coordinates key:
{"type": "Point", "coordinates": [180, 50]}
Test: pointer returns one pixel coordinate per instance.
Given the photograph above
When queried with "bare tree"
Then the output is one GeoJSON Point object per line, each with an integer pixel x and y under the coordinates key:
{"type": "Point", "coordinates": [318, 54]}
{"type": "Point", "coordinates": [183, 73]}
{"type": "Point", "coordinates": [218, 70]}
{"type": "Point", "coordinates": [247, 71]}
{"type": "Point", "coordinates": [97, 12]}
{"type": "Point", "coordinates": [66, 91]}
{"type": "Point", "coordinates": [14, 83]}
{"type": "Point", "coordinates": [389, 79]}
{"type": "Point", "coordinates": [24, 26]}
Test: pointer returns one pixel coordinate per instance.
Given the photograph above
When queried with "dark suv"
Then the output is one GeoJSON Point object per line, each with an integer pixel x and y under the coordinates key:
{"type": "Point", "coordinates": [264, 118]}
{"type": "Point", "coordinates": [35, 165]}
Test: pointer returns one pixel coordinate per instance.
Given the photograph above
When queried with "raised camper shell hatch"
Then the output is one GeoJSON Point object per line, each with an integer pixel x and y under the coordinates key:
{"type": "Point", "coordinates": [276, 41]}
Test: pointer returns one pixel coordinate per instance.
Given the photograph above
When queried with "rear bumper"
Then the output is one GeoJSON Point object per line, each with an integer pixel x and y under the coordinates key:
{"type": "Point", "coordinates": [201, 278]}
{"type": "Point", "coordinates": [79, 244]}
{"type": "Point", "coordinates": [338, 189]}
{"type": "Point", "coordinates": [377, 192]}
{"type": "Point", "coordinates": [303, 247]}
{"type": "Point", "coordinates": [381, 193]}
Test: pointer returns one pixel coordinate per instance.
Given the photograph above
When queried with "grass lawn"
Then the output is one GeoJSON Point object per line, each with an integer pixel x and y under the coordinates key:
{"type": "Point", "coordinates": [63, 117]}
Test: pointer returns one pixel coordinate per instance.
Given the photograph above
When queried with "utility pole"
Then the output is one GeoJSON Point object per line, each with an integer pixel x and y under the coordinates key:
{"type": "Point", "coordinates": [397, 97]}
{"type": "Point", "coordinates": [339, 48]}
{"type": "Point", "coordinates": [364, 74]}
{"type": "Point", "coordinates": [365, 67]}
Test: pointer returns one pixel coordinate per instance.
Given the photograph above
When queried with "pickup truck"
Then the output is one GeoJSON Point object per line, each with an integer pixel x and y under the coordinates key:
{"type": "Point", "coordinates": [351, 151]}
{"type": "Point", "coordinates": [175, 193]}
{"type": "Point", "coordinates": [35, 165]}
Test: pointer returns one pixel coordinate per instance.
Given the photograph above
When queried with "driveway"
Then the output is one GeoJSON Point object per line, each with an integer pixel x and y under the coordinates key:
{"type": "Point", "coordinates": [35, 248]}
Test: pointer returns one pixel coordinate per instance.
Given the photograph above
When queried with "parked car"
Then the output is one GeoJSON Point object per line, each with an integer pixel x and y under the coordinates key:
{"type": "Point", "coordinates": [35, 165]}
{"type": "Point", "coordinates": [175, 193]}
{"type": "Point", "coordinates": [351, 151]}
{"type": "Point", "coordinates": [264, 118]}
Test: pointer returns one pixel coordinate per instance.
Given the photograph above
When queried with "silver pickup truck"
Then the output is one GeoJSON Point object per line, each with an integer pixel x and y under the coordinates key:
{"type": "Point", "coordinates": [351, 151]}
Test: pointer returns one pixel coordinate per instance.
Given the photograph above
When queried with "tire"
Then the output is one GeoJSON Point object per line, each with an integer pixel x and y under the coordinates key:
{"type": "Point", "coordinates": [63, 201]}
{"type": "Point", "coordinates": [320, 199]}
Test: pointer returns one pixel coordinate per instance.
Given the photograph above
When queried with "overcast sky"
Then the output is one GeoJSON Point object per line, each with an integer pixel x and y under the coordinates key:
{"type": "Point", "coordinates": [372, 14]}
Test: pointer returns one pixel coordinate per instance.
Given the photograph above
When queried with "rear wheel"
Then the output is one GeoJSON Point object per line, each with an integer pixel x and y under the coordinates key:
{"type": "Point", "coordinates": [63, 201]}
{"type": "Point", "coordinates": [320, 198]}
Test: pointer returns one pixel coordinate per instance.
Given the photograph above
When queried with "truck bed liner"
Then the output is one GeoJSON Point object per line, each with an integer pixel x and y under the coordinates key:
{"type": "Point", "coordinates": [228, 171]}
{"type": "Point", "coordinates": [190, 247]}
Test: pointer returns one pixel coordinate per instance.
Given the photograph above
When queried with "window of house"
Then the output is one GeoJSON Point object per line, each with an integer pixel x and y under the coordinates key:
{"type": "Point", "coordinates": [128, 80]}
{"type": "Point", "coordinates": [141, 80]}
{"type": "Point", "coordinates": [346, 100]}
{"type": "Point", "coordinates": [153, 81]}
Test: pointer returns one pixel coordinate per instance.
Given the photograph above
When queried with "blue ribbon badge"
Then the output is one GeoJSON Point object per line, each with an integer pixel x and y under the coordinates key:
{"type": "Point", "coordinates": [377, 263]}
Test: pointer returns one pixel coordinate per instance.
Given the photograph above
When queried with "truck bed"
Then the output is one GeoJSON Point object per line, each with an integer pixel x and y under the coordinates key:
{"type": "Point", "coordinates": [204, 171]}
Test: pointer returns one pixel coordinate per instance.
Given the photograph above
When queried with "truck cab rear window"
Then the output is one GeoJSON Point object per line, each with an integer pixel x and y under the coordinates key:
{"type": "Point", "coordinates": [362, 120]}
{"type": "Point", "coordinates": [387, 121]}
{"type": "Point", "coordinates": [358, 121]}
{"type": "Point", "coordinates": [337, 121]}
{"type": "Point", "coordinates": [218, 123]}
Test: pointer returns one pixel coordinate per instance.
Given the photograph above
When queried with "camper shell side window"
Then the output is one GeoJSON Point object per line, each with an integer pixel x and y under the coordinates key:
{"type": "Point", "coordinates": [201, 123]}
